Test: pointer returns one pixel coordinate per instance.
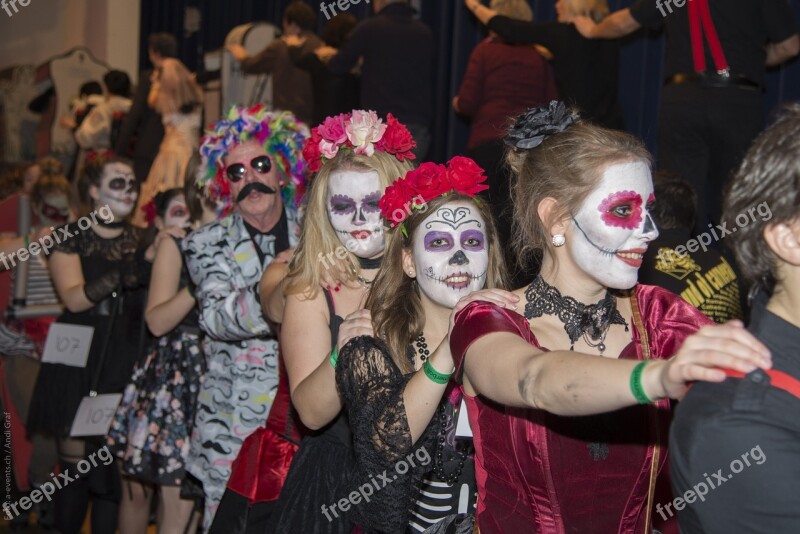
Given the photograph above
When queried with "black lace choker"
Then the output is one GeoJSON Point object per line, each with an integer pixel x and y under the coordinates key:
{"type": "Point", "coordinates": [366, 263]}
{"type": "Point", "coordinates": [591, 322]}
{"type": "Point", "coordinates": [111, 224]}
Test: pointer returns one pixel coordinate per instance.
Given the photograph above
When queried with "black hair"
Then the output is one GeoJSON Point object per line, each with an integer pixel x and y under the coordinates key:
{"type": "Point", "coordinates": [117, 83]}
{"type": "Point", "coordinates": [91, 88]}
{"type": "Point", "coordinates": [163, 44]}
{"type": "Point", "coordinates": [338, 29]}
{"type": "Point", "coordinates": [300, 13]}
{"type": "Point", "coordinates": [675, 201]}
{"type": "Point", "coordinates": [163, 198]}
{"type": "Point", "coordinates": [769, 177]}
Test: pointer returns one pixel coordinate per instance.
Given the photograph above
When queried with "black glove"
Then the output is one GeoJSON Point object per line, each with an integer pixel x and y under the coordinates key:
{"type": "Point", "coordinates": [101, 288]}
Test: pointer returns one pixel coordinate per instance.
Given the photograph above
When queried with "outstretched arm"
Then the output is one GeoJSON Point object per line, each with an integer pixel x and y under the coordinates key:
{"type": "Point", "coordinates": [618, 24]}
{"type": "Point", "coordinates": [568, 383]}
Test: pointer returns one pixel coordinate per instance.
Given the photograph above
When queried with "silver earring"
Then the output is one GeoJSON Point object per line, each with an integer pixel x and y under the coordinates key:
{"type": "Point", "coordinates": [559, 240]}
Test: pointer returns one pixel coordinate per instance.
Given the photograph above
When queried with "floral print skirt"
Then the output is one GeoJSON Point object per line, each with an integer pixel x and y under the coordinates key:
{"type": "Point", "coordinates": [151, 428]}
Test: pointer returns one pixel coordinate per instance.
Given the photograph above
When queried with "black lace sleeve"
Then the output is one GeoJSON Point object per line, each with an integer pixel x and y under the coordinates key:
{"type": "Point", "coordinates": [371, 387]}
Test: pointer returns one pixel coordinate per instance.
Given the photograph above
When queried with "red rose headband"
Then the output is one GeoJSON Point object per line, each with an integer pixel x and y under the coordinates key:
{"type": "Point", "coordinates": [361, 131]}
{"type": "Point", "coordinates": [429, 181]}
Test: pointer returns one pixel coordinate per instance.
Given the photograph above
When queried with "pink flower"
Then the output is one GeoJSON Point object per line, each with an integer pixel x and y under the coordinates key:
{"type": "Point", "coordinates": [363, 129]}
{"type": "Point", "coordinates": [333, 129]}
{"type": "Point", "coordinates": [328, 149]}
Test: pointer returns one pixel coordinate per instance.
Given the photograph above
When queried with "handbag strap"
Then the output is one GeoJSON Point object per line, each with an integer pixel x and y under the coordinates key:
{"type": "Point", "coordinates": [116, 296]}
{"type": "Point", "coordinates": [646, 354]}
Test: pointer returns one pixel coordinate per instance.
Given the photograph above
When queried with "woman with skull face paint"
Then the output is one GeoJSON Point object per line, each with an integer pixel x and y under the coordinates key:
{"type": "Point", "coordinates": [150, 431]}
{"type": "Point", "coordinates": [582, 196]}
{"type": "Point", "coordinates": [356, 156]}
{"type": "Point", "coordinates": [393, 385]}
{"type": "Point", "coordinates": [100, 274]}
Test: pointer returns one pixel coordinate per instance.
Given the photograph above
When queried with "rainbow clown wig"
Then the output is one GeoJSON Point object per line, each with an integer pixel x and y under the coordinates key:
{"type": "Point", "coordinates": [282, 137]}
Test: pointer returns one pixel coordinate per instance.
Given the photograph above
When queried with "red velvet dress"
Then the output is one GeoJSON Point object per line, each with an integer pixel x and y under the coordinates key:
{"type": "Point", "coordinates": [542, 473]}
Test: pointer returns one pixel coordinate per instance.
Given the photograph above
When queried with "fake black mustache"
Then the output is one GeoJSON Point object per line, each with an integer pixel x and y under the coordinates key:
{"type": "Point", "coordinates": [254, 186]}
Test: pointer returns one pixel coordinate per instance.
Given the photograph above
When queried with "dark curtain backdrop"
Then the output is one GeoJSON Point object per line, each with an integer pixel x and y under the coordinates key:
{"type": "Point", "coordinates": [457, 34]}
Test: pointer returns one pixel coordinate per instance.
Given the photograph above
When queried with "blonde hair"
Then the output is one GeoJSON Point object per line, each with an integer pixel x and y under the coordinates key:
{"type": "Point", "coordinates": [318, 238]}
{"type": "Point", "coordinates": [515, 9]}
{"type": "Point", "coordinates": [565, 167]}
{"type": "Point", "coordinates": [394, 300]}
{"type": "Point", "coordinates": [177, 91]}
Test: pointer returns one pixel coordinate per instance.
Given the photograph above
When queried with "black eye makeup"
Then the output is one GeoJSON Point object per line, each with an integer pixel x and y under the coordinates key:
{"type": "Point", "coordinates": [261, 164]}
{"type": "Point", "coordinates": [121, 184]}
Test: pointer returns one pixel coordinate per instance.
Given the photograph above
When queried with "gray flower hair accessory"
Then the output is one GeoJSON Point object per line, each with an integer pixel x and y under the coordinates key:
{"type": "Point", "coordinates": [537, 124]}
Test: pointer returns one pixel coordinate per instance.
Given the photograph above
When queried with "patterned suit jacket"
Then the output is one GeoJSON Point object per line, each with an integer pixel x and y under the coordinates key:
{"type": "Point", "coordinates": [241, 350]}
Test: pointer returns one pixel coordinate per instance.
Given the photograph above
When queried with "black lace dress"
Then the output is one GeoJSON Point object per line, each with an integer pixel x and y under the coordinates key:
{"type": "Point", "coordinates": [318, 476]}
{"type": "Point", "coordinates": [107, 264]}
{"type": "Point", "coordinates": [371, 386]}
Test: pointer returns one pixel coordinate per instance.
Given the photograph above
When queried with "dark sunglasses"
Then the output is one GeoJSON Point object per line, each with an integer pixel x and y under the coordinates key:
{"type": "Point", "coordinates": [261, 164]}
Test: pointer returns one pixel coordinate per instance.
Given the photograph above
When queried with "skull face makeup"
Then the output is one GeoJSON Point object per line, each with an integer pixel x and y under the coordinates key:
{"type": "Point", "coordinates": [451, 253]}
{"type": "Point", "coordinates": [54, 209]}
{"type": "Point", "coordinates": [613, 226]}
{"type": "Point", "coordinates": [177, 214]}
{"type": "Point", "coordinates": [118, 190]}
{"type": "Point", "coordinates": [353, 210]}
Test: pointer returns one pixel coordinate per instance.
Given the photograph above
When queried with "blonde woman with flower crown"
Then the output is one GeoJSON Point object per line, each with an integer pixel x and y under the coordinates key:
{"type": "Point", "coordinates": [355, 156]}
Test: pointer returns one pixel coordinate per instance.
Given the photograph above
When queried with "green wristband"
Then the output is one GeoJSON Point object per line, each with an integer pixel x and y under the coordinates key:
{"type": "Point", "coordinates": [334, 357]}
{"type": "Point", "coordinates": [636, 383]}
{"type": "Point", "coordinates": [435, 375]}
{"type": "Point", "coordinates": [27, 241]}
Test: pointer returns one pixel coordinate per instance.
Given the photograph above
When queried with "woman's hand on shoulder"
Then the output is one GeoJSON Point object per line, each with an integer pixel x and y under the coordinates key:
{"type": "Point", "coordinates": [358, 323]}
{"type": "Point", "coordinates": [705, 354]}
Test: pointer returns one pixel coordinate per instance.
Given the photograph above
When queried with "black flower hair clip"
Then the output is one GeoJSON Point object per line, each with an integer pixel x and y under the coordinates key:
{"type": "Point", "coordinates": [537, 124]}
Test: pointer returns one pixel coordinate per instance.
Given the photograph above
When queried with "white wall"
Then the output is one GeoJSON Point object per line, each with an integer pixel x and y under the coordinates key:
{"type": "Point", "coordinates": [46, 28]}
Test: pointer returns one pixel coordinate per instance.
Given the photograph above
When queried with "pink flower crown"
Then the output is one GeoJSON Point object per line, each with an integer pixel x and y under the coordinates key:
{"type": "Point", "coordinates": [361, 131]}
{"type": "Point", "coordinates": [427, 182]}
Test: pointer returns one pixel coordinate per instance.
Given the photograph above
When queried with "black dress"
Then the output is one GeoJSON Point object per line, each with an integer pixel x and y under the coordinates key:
{"type": "Point", "coordinates": [60, 388]}
{"type": "Point", "coordinates": [318, 475]}
{"type": "Point", "coordinates": [371, 386]}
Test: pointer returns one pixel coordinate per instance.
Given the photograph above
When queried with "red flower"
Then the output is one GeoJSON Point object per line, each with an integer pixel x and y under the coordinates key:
{"type": "Point", "coordinates": [466, 176]}
{"type": "Point", "coordinates": [311, 151]}
{"type": "Point", "coordinates": [150, 211]}
{"type": "Point", "coordinates": [394, 202]}
{"type": "Point", "coordinates": [429, 180]}
{"type": "Point", "coordinates": [397, 140]}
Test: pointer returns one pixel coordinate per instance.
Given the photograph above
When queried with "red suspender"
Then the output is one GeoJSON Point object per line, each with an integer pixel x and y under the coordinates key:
{"type": "Point", "coordinates": [699, 23]}
{"type": "Point", "coordinates": [778, 379]}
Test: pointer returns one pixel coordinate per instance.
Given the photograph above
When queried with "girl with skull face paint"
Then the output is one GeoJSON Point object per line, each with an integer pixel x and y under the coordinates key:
{"type": "Point", "coordinates": [343, 238]}
{"type": "Point", "coordinates": [394, 385]}
{"type": "Point", "coordinates": [151, 440]}
{"type": "Point", "coordinates": [581, 200]}
{"type": "Point", "coordinates": [98, 271]}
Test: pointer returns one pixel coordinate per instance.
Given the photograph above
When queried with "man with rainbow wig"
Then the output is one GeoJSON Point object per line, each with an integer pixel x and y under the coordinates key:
{"type": "Point", "coordinates": [252, 165]}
